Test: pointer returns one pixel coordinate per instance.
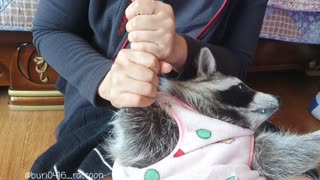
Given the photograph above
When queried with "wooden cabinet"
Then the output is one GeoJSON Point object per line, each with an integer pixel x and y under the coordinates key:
{"type": "Point", "coordinates": [29, 78]}
{"type": "Point", "coordinates": [29, 71]}
{"type": "Point", "coordinates": [32, 82]}
{"type": "Point", "coordinates": [272, 55]}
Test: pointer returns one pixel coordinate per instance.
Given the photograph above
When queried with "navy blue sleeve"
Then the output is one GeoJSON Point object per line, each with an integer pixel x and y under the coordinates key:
{"type": "Point", "coordinates": [59, 30]}
{"type": "Point", "coordinates": [239, 40]}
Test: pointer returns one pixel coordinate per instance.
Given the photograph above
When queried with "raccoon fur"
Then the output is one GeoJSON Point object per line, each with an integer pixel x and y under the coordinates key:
{"type": "Point", "coordinates": [144, 136]}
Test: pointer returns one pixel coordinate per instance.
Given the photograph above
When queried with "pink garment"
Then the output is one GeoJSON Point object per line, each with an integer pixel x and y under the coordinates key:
{"type": "Point", "coordinates": [208, 149]}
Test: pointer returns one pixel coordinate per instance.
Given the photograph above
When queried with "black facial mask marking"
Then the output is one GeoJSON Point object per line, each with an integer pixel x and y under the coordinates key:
{"type": "Point", "coordinates": [237, 96]}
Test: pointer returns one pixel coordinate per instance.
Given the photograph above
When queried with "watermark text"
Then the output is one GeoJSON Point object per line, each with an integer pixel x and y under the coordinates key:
{"type": "Point", "coordinates": [63, 175]}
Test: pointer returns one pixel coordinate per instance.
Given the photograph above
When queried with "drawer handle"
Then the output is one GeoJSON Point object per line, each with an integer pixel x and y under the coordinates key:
{"type": "Point", "coordinates": [41, 68]}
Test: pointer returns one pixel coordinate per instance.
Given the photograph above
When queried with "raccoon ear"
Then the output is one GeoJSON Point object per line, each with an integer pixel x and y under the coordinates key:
{"type": "Point", "coordinates": [206, 62]}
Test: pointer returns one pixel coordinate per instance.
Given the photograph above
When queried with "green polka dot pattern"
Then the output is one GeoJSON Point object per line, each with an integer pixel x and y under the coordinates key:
{"type": "Point", "coordinates": [233, 178]}
{"type": "Point", "coordinates": [204, 134]}
{"type": "Point", "coordinates": [152, 174]}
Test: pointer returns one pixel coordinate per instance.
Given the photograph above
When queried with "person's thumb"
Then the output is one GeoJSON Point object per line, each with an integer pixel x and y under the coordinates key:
{"type": "Point", "coordinates": [165, 67]}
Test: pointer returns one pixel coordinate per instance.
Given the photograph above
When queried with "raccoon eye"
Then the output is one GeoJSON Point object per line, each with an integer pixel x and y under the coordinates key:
{"type": "Point", "coordinates": [240, 86]}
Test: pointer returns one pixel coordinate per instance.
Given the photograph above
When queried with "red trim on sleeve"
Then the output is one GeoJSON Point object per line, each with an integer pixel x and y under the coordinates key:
{"type": "Point", "coordinates": [205, 29]}
{"type": "Point", "coordinates": [125, 44]}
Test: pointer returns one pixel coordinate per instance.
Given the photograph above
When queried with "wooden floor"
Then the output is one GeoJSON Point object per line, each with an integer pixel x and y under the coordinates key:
{"type": "Point", "coordinates": [296, 92]}
{"type": "Point", "coordinates": [25, 135]}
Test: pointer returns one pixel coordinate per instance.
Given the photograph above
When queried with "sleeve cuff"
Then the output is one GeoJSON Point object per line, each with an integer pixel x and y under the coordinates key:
{"type": "Point", "coordinates": [91, 91]}
{"type": "Point", "coordinates": [194, 47]}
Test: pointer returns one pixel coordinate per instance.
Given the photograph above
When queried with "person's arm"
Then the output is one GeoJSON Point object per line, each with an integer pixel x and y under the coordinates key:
{"type": "Point", "coordinates": [59, 30]}
{"type": "Point", "coordinates": [240, 40]}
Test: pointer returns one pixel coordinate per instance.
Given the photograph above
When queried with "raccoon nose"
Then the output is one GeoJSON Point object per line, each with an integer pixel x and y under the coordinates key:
{"type": "Point", "coordinates": [278, 99]}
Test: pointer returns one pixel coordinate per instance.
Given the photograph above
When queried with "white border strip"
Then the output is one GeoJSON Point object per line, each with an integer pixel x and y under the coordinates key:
{"type": "Point", "coordinates": [102, 159]}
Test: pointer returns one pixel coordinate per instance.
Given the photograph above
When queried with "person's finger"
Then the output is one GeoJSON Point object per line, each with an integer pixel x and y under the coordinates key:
{"type": "Point", "coordinates": [165, 67]}
{"type": "Point", "coordinates": [133, 100]}
{"type": "Point", "coordinates": [153, 49]}
{"type": "Point", "coordinates": [147, 47]}
{"type": "Point", "coordinates": [139, 57]}
{"type": "Point", "coordinates": [140, 72]}
{"type": "Point", "coordinates": [143, 23]}
{"type": "Point", "coordinates": [140, 7]}
{"type": "Point", "coordinates": [144, 36]}
{"type": "Point", "coordinates": [125, 84]}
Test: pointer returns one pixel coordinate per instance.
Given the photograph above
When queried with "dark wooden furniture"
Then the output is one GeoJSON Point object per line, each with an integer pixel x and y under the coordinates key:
{"type": "Point", "coordinates": [31, 80]}
{"type": "Point", "coordinates": [274, 55]}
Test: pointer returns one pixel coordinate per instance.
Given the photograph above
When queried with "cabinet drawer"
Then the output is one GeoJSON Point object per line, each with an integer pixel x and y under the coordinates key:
{"type": "Point", "coordinates": [29, 71]}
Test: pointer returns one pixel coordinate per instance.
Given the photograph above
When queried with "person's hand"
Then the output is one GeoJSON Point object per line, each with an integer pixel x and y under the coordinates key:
{"type": "Point", "coordinates": [151, 27]}
{"type": "Point", "coordinates": [132, 80]}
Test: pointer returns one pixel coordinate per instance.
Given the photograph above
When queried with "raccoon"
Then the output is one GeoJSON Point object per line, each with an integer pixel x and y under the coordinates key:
{"type": "Point", "coordinates": [144, 136]}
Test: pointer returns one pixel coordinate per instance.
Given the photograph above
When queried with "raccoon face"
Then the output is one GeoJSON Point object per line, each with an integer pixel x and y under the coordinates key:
{"type": "Point", "coordinates": [222, 97]}
{"type": "Point", "coordinates": [249, 107]}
